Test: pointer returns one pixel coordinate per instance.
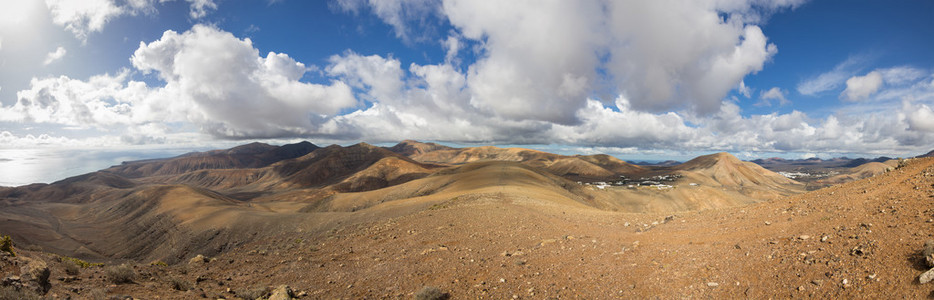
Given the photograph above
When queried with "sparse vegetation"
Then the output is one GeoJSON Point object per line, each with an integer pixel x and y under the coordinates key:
{"type": "Point", "coordinates": [120, 274]}
{"type": "Point", "coordinates": [901, 163]}
{"type": "Point", "coordinates": [180, 284]}
{"type": "Point", "coordinates": [9, 292]}
{"type": "Point", "coordinates": [159, 263]}
{"type": "Point", "coordinates": [71, 267]}
{"type": "Point", "coordinates": [6, 244]}
{"type": "Point", "coordinates": [254, 293]}
{"type": "Point", "coordinates": [431, 293]}
{"type": "Point", "coordinates": [81, 263]}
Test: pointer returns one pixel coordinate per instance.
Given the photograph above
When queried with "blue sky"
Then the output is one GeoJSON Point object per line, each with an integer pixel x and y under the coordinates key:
{"type": "Point", "coordinates": [635, 79]}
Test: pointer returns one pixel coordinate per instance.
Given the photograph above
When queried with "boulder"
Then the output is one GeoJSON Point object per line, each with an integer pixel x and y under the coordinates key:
{"type": "Point", "coordinates": [198, 259]}
{"type": "Point", "coordinates": [926, 276]}
{"type": "Point", "coordinates": [34, 275]}
{"type": "Point", "coordinates": [283, 292]}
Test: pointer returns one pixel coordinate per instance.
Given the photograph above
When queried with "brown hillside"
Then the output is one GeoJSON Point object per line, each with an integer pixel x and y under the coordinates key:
{"type": "Point", "coordinates": [254, 155]}
{"type": "Point", "coordinates": [856, 173]}
{"type": "Point", "coordinates": [727, 170]}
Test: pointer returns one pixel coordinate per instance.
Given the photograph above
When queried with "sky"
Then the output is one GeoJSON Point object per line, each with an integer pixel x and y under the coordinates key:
{"type": "Point", "coordinates": [644, 79]}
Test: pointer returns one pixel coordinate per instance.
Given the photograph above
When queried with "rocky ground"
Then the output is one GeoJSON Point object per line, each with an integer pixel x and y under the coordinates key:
{"type": "Point", "coordinates": [863, 239]}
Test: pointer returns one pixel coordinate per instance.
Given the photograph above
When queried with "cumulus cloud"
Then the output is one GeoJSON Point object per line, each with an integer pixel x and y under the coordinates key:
{"type": "Point", "coordinates": [55, 55]}
{"type": "Point", "coordinates": [773, 94]}
{"type": "Point", "coordinates": [212, 79]}
{"type": "Point", "coordinates": [860, 87]}
{"type": "Point", "coordinates": [84, 17]}
{"type": "Point", "coordinates": [919, 117]}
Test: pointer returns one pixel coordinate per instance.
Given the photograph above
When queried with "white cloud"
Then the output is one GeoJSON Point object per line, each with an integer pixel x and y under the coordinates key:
{"type": "Point", "coordinates": [773, 94]}
{"type": "Point", "coordinates": [55, 55]}
{"type": "Point", "coordinates": [831, 79]}
{"type": "Point", "coordinates": [451, 46]}
{"type": "Point", "coordinates": [919, 117]}
{"type": "Point", "coordinates": [212, 79]}
{"type": "Point", "coordinates": [84, 17]}
{"type": "Point", "coordinates": [396, 13]}
{"type": "Point", "coordinates": [744, 90]}
{"type": "Point", "coordinates": [861, 87]}
{"type": "Point", "coordinates": [200, 8]}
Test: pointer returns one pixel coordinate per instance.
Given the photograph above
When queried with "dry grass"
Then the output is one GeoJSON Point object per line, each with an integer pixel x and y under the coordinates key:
{"type": "Point", "coordinates": [431, 293]}
{"type": "Point", "coordinates": [120, 274]}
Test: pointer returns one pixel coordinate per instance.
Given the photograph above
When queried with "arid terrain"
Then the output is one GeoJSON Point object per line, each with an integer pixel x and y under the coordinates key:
{"type": "Point", "coordinates": [370, 222]}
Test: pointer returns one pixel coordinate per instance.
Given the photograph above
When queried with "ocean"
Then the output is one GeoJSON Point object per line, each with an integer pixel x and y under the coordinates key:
{"type": "Point", "coordinates": [24, 166]}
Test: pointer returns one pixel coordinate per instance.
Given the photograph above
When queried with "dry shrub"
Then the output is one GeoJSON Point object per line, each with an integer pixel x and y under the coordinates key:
{"type": "Point", "coordinates": [431, 293]}
{"type": "Point", "coordinates": [120, 274]}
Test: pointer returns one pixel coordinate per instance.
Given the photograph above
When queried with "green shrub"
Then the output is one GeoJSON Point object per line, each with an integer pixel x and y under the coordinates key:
{"type": "Point", "coordinates": [6, 244]}
{"type": "Point", "coordinates": [159, 263]}
{"type": "Point", "coordinates": [79, 262]}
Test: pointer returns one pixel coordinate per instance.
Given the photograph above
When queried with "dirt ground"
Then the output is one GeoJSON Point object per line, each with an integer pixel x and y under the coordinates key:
{"type": "Point", "coordinates": [857, 240]}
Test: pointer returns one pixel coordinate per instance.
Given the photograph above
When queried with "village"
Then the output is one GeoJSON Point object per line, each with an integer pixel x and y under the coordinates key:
{"type": "Point", "coordinates": [661, 182]}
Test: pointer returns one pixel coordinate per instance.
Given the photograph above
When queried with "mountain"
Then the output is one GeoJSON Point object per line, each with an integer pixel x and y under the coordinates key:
{"type": "Point", "coordinates": [254, 155]}
{"type": "Point", "coordinates": [929, 154]}
{"type": "Point", "coordinates": [862, 171]}
{"type": "Point", "coordinates": [728, 170]}
{"type": "Point", "coordinates": [814, 164]}
{"type": "Point", "coordinates": [578, 167]}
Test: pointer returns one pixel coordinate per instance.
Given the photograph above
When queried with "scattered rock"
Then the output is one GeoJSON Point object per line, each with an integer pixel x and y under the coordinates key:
{"type": "Point", "coordinates": [283, 292]}
{"type": "Point", "coordinates": [713, 284]}
{"type": "Point", "coordinates": [926, 276]}
{"type": "Point", "coordinates": [198, 259]}
{"type": "Point", "coordinates": [929, 253]}
{"type": "Point", "coordinates": [804, 237]}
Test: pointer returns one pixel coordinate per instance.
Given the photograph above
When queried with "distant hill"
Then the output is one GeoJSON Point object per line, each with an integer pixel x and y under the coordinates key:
{"type": "Point", "coordinates": [592, 167]}
{"type": "Point", "coordinates": [929, 154]}
{"type": "Point", "coordinates": [814, 164]}
{"type": "Point", "coordinates": [253, 155]}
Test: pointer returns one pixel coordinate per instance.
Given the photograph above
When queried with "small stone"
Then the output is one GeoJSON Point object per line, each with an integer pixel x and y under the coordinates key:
{"type": "Point", "coordinates": [768, 223]}
{"type": "Point", "coordinates": [713, 284]}
{"type": "Point", "coordinates": [804, 237]}
{"type": "Point", "coordinates": [817, 282]}
{"type": "Point", "coordinates": [929, 253]}
{"type": "Point", "coordinates": [824, 238]}
{"type": "Point", "coordinates": [926, 276]}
